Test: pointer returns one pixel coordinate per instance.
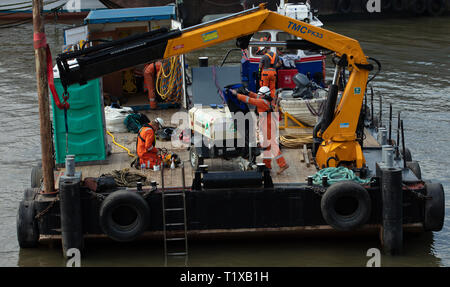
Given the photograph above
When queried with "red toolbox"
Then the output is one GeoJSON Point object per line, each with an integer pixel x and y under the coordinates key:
{"type": "Point", "coordinates": [285, 78]}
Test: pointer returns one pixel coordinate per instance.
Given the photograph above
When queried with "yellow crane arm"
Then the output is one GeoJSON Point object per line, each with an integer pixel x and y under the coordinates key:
{"type": "Point", "coordinates": [338, 132]}
{"type": "Point", "coordinates": [337, 128]}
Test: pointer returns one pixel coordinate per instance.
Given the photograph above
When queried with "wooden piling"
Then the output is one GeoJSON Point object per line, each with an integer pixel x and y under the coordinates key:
{"type": "Point", "coordinates": [43, 102]}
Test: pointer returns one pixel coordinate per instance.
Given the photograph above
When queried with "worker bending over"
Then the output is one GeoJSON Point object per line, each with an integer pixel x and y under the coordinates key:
{"type": "Point", "coordinates": [268, 69]}
{"type": "Point", "coordinates": [268, 140]}
{"type": "Point", "coordinates": [146, 143]}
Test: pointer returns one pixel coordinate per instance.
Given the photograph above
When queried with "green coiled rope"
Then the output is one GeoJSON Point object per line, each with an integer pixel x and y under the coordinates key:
{"type": "Point", "coordinates": [336, 174]}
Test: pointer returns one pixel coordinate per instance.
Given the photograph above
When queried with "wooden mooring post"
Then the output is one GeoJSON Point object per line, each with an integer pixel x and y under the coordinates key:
{"type": "Point", "coordinates": [43, 102]}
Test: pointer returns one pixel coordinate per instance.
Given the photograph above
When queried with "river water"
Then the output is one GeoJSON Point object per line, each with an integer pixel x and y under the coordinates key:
{"type": "Point", "coordinates": [415, 78]}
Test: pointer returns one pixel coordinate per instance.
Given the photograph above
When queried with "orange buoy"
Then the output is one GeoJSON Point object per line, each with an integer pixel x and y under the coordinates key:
{"type": "Point", "coordinates": [150, 72]}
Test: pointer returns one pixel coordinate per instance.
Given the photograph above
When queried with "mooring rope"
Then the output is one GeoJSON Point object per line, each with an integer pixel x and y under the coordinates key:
{"type": "Point", "coordinates": [295, 140]}
{"type": "Point", "coordinates": [127, 178]}
{"type": "Point", "coordinates": [336, 174]}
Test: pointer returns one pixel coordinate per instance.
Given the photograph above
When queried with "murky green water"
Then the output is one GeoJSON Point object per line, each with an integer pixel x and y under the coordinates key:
{"type": "Point", "coordinates": [415, 54]}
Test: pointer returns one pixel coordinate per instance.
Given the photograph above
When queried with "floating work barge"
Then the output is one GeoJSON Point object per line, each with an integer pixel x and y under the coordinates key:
{"type": "Point", "coordinates": [216, 197]}
{"type": "Point", "coordinates": [220, 200]}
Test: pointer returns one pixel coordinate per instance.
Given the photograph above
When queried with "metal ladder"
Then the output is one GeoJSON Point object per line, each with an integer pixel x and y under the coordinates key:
{"type": "Point", "coordinates": [181, 248]}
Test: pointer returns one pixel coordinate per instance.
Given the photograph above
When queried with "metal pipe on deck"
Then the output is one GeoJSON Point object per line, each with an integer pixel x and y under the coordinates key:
{"type": "Point", "coordinates": [42, 87]}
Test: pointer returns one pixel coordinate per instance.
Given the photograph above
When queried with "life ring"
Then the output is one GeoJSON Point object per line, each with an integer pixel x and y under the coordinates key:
{"type": "Point", "coordinates": [124, 215]}
{"type": "Point", "coordinates": [434, 207]}
{"type": "Point", "coordinates": [398, 5]}
{"type": "Point", "coordinates": [436, 7]}
{"type": "Point", "coordinates": [344, 6]}
{"type": "Point", "coordinates": [418, 6]}
{"type": "Point", "coordinates": [346, 205]}
{"type": "Point", "coordinates": [26, 224]}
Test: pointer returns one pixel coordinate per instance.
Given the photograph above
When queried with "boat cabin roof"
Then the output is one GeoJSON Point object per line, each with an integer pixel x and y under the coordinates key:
{"type": "Point", "coordinates": [130, 15]}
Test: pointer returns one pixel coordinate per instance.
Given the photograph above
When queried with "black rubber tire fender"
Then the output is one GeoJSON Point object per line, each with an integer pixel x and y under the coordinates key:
{"type": "Point", "coordinates": [434, 207]}
{"type": "Point", "coordinates": [418, 6]}
{"type": "Point", "coordinates": [415, 168]}
{"type": "Point", "coordinates": [342, 190]}
{"type": "Point", "coordinates": [30, 193]}
{"type": "Point", "coordinates": [26, 225]}
{"type": "Point", "coordinates": [344, 6]}
{"type": "Point", "coordinates": [36, 176]}
{"type": "Point", "coordinates": [436, 7]}
{"type": "Point", "coordinates": [128, 205]}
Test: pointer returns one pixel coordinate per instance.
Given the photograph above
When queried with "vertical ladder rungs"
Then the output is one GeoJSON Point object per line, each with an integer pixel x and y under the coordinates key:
{"type": "Point", "coordinates": [176, 239]}
{"type": "Point", "coordinates": [175, 224]}
{"type": "Point", "coordinates": [174, 209]}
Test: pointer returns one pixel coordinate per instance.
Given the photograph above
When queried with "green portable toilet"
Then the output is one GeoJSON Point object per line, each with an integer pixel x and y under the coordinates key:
{"type": "Point", "coordinates": [85, 119]}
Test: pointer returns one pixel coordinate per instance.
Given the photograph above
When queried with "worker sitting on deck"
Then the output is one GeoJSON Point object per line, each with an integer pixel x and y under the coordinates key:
{"type": "Point", "coordinates": [268, 140]}
{"type": "Point", "coordinates": [146, 143]}
{"type": "Point", "coordinates": [268, 69]}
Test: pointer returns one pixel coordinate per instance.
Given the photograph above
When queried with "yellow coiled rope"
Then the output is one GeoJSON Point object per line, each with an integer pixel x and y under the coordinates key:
{"type": "Point", "coordinates": [171, 75]}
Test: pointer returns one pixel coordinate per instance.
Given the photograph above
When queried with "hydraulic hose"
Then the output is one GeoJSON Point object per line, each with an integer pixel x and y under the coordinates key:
{"type": "Point", "coordinates": [377, 72]}
{"type": "Point", "coordinates": [119, 145]}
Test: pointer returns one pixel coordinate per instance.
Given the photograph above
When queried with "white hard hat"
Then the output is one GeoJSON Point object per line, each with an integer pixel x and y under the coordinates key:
{"type": "Point", "coordinates": [160, 122]}
{"type": "Point", "coordinates": [264, 90]}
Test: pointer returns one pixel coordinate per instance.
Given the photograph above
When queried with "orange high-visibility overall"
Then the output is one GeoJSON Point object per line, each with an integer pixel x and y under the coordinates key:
{"type": "Point", "coordinates": [146, 147]}
{"type": "Point", "coordinates": [265, 123]}
{"type": "Point", "coordinates": [269, 74]}
{"type": "Point", "coordinates": [150, 72]}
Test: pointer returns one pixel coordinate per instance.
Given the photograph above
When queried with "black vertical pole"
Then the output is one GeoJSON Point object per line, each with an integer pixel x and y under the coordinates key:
{"type": "Point", "coordinates": [70, 208]}
{"type": "Point", "coordinates": [390, 124]}
{"type": "Point", "coordinates": [380, 123]}
{"type": "Point", "coordinates": [371, 105]}
{"type": "Point", "coordinates": [392, 199]}
{"type": "Point", "coordinates": [403, 145]}
{"type": "Point", "coordinates": [365, 105]}
{"type": "Point", "coordinates": [397, 152]}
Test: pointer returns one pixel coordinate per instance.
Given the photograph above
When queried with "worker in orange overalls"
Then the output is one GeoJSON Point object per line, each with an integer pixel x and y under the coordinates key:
{"type": "Point", "coordinates": [146, 144]}
{"type": "Point", "coordinates": [268, 69]}
{"type": "Point", "coordinates": [268, 138]}
{"type": "Point", "coordinates": [150, 72]}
